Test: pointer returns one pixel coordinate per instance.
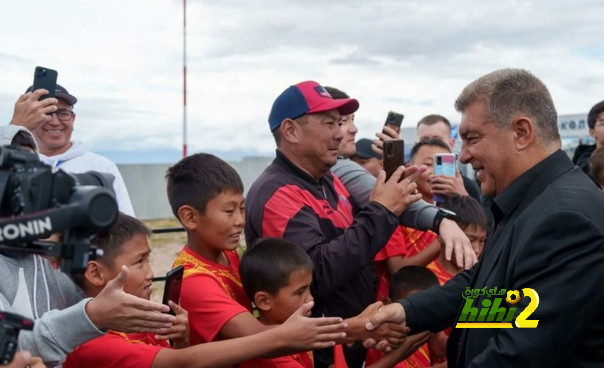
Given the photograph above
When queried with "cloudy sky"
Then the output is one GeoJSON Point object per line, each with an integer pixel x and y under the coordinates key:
{"type": "Point", "coordinates": [123, 60]}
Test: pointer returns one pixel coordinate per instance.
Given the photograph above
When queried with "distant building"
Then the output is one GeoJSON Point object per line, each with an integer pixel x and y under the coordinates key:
{"type": "Point", "coordinates": [573, 128]}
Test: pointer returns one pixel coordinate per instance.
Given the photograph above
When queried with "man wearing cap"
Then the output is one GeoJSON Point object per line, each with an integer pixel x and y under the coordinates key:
{"type": "Point", "coordinates": [51, 122]}
{"type": "Point", "coordinates": [299, 199]}
{"type": "Point", "coordinates": [367, 157]}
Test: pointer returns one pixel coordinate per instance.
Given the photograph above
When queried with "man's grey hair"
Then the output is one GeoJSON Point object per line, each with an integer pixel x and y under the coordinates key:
{"type": "Point", "coordinates": [510, 93]}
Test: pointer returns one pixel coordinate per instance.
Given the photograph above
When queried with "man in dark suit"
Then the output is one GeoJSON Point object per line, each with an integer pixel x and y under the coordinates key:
{"type": "Point", "coordinates": [548, 236]}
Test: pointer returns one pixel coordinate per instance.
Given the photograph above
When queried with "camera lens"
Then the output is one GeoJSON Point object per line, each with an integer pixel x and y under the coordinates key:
{"type": "Point", "coordinates": [388, 150]}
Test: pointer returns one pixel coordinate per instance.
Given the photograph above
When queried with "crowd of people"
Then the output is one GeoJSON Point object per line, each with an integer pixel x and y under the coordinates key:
{"type": "Point", "coordinates": [343, 267]}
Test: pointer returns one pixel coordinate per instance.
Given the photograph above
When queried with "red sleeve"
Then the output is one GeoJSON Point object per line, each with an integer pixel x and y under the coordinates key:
{"type": "Point", "coordinates": [209, 307]}
{"type": "Point", "coordinates": [396, 246]}
{"type": "Point", "coordinates": [111, 351]}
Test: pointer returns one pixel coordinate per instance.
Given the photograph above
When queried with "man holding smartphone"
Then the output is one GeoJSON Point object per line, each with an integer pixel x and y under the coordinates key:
{"type": "Point", "coordinates": [51, 121]}
{"type": "Point", "coordinates": [299, 199]}
{"type": "Point", "coordinates": [437, 126]}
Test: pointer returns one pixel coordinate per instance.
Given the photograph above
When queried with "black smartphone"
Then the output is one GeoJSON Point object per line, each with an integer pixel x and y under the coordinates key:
{"type": "Point", "coordinates": [172, 286]}
{"type": "Point", "coordinates": [394, 120]}
{"type": "Point", "coordinates": [394, 156]}
{"type": "Point", "coordinates": [45, 78]}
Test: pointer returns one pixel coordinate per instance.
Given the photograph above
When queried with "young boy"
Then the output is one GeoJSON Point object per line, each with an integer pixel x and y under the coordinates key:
{"type": "Point", "coordinates": [472, 219]}
{"type": "Point", "coordinates": [126, 253]}
{"type": "Point", "coordinates": [206, 195]}
{"type": "Point", "coordinates": [403, 283]}
{"type": "Point", "coordinates": [276, 276]}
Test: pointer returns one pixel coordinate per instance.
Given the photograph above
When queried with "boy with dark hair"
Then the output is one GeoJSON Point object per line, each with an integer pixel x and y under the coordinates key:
{"type": "Point", "coordinates": [276, 276]}
{"type": "Point", "coordinates": [408, 281]}
{"type": "Point", "coordinates": [472, 219]}
{"type": "Point", "coordinates": [206, 195]}
{"type": "Point", "coordinates": [126, 253]}
{"type": "Point", "coordinates": [595, 123]}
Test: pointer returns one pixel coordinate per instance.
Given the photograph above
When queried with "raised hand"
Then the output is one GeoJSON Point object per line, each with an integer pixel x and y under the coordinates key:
{"type": "Point", "coordinates": [446, 186]}
{"type": "Point", "coordinates": [114, 309]}
{"type": "Point", "coordinates": [386, 134]}
{"type": "Point", "coordinates": [396, 194]}
{"type": "Point", "coordinates": [31, 113]}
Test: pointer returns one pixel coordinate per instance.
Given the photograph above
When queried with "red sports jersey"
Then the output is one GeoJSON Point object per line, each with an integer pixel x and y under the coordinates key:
{"type": "Point", "coordinates": [440, 272]}
{"type": "Point", "coordinates": [211, 293]}
{"type": "Point", "coordinates": [405, 242]}
{"type": "Point", "coordinates": [116, 350]}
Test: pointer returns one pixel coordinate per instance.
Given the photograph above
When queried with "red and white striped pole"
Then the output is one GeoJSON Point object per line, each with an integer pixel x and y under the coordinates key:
{"type": "Point", "coordinates": [184, 70]}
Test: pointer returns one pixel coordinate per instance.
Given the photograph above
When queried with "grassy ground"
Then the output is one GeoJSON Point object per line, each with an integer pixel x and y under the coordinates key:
{"type": "Point", "coordinates": [164, 248]}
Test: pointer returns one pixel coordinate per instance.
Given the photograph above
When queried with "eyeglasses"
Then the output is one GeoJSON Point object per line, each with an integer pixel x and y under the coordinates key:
{"type": "Point", "coordinates": [63, 114]}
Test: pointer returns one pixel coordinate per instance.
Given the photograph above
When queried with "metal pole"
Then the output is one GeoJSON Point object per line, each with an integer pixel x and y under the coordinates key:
{"type": "Point", "coordinates": [184, 70]}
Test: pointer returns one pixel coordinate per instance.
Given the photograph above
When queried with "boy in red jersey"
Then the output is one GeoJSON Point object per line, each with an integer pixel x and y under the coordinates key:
{"type": "Point", "coordinates": [472, 219]}
{"type": "Point", "coordinates": [276, 275]}
{"type": "Point", "coordinates": [126, 253]}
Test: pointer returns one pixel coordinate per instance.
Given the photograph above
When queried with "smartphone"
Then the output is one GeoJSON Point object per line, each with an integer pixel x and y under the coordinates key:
{"type": "Point", "coordinates": [172, 286]}
{"type": "Point", "coordinates": [394, 120]}
{"type": "Point", "coordinates": [45, 78]}
{"type": "Point", "coordinates": [394, 156]}
{"type": "Point", "coordinates": [444, 164]}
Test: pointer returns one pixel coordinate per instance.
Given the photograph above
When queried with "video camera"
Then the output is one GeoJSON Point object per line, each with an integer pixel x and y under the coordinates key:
{"type": "Point", "coordinates": [38, 200]}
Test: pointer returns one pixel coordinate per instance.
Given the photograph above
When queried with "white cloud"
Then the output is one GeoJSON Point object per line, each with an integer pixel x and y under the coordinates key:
{"type": "Point", "coordinates": [123, 60]}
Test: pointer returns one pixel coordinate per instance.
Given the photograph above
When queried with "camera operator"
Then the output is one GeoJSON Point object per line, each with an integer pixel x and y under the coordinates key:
{"type": "Point", "coordinates": [31, 286]}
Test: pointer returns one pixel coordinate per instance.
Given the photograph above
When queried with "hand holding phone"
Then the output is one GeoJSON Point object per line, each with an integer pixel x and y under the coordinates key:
{"type": "Point", "coordinates": [173, 286]}
{"type": "Point", "coordinates": [444, 164]}
{"type": "Point", "coordinates": [45, 78]}
{"type": "Point", "coordinates": [394, 120]}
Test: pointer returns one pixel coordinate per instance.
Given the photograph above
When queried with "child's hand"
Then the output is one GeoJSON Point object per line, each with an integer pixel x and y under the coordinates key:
{"type": "Point", "coordinates": [179, 332]}
{"type": "Point", "coordinates": [303, 333]}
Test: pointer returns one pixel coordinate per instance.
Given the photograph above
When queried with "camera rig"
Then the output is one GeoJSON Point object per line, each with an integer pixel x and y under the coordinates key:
{"type": "Point", "coordinates": [38, 200]}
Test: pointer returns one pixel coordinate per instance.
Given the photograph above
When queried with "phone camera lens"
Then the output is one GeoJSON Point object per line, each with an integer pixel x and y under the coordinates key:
{"type": "Point", "coordinates": [389, 150]}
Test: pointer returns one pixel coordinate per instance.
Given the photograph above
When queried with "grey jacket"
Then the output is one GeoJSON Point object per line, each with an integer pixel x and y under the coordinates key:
{"type": "Point", "coordinates": [359, 183]}
{"type": "Point", "coordinates": [32, 287]}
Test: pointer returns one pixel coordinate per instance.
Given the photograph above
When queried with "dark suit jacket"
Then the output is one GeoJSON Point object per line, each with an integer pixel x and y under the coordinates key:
{"type": "Point", "coordinates": [549, 236]}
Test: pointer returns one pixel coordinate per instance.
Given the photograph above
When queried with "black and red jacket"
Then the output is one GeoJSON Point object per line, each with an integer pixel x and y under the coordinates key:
{"type": "Point", "coordinates": [341, 239]}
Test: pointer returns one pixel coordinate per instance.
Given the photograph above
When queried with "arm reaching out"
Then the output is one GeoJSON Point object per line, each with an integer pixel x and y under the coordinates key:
{"type": "Point", "coordinates": [114, 309]}
{"type": "Point", "coordinates": [297, 333]}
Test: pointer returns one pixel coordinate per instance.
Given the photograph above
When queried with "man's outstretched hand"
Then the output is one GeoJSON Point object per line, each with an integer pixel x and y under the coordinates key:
{"type": "Point", "coordinates": [114, 309]}
{"type": "Point", "coordinates": [393, 313]}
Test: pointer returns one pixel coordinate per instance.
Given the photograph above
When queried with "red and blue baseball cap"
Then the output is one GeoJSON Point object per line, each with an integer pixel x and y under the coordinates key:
{"type": "Point", "coordinates": [307, 98]}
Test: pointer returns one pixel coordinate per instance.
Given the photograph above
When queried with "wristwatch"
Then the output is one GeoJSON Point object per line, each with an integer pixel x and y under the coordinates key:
{"type": "Point", "coordinates": [441, 214]}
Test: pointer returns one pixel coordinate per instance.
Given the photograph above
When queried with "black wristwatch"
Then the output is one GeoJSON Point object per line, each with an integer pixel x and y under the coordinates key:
{"type": "Point", "coordinates": [441, 214]}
